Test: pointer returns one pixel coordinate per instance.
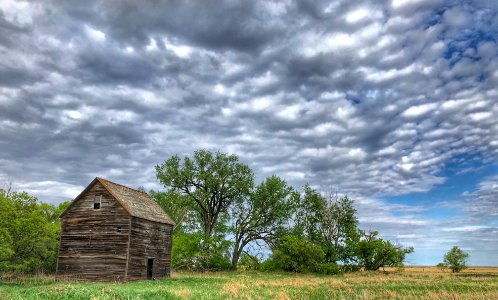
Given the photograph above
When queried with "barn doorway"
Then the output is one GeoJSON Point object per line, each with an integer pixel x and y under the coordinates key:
{"type": "Point", "coordinates": [150, 268]}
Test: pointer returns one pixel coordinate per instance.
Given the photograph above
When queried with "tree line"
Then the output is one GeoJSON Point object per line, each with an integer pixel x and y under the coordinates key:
{"type": "Point", "coordinates": [29, 233]}
{"type": "Point", "coordinates": [224, 220]}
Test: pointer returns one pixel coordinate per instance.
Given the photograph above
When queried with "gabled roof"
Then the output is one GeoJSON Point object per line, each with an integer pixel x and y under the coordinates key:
{"type": "Point", "coordinates": [136, 203]}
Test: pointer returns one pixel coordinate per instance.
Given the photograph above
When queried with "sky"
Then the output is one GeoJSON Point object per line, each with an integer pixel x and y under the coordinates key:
{"type": "Point", "coordinates": [393, 103]}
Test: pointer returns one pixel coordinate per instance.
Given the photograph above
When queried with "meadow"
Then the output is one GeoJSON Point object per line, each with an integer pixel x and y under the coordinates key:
{"type": "Point", "coordinates": [412, 283]}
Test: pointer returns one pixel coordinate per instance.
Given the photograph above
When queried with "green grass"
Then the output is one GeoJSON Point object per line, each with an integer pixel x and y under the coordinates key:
{"type": "Point", "coordinates": [411, 284]}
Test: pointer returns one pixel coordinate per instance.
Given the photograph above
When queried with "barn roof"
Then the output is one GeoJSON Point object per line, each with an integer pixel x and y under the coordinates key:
{"type": "Point", "coordinates": [136, 203]}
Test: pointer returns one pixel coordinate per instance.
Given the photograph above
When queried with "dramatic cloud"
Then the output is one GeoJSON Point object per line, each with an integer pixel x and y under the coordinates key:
{"type": "Point", "coordinates": [381, 100]}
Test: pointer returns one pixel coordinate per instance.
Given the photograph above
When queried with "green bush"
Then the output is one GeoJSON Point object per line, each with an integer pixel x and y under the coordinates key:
{"type": "Point", "coordinates": [296, 254]}
{"type": "Point", "coordinates": [29, 233]}
{"type": "Point", "coordinates": [329, 269]}
{"type": "Point", "coordinates": [268, 265]}
{"type": "Point", "coordinates": [248, 262]}
{"type": "Point", "coordinates": [192, 252]}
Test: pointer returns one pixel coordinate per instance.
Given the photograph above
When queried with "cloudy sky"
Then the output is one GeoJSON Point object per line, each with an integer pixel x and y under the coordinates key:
{"type": "Point", "coordinates": [392, 102]}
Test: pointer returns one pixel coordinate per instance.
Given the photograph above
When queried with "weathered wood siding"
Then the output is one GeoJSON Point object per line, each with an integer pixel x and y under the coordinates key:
{"type": "Point", "coordinates": [91, 246]}
{"type": "Point", "coordinates": [149, 240]}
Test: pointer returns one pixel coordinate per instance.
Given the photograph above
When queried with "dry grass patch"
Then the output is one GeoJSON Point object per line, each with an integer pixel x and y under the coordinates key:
{"type": "Point", "coordinates": [183, 293]}
{"type": "Point", "coordinates": [282, 296]}
{"type": "Point", "coordinates": [233, 288]}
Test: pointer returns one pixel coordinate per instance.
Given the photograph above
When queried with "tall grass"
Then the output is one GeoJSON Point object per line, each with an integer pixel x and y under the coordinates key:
{"type": "Point", "coordinates": [413, 283]}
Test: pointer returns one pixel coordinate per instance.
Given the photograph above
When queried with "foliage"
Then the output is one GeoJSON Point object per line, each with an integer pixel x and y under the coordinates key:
{"type": "Point", "coordinates": [295, 254]}
{"type": "Point", "coordinates": [329, 268]}
{"type": "Point", "coordinates": [29, 232]}
{"type": "Point", "coordinates": [178, 207]}
{"type": "Point", "coordinates": [340, 230]}
{"type": "Point", "coordinates": [191, 253]}
{"type": "Point", "coordinates": [442, 266]}
{"type": "Point", "coordinates": [261, 215]}
{"type": "Point", "coordinates": [374, 253]}
{"type": "Point", "coordinates": [309, 215]}
{"type": "Point", "coordinates": [331, 223]}
{"type": "Point", "coordinates": [456, 259]}
{"type": "Point", "coordinates": [248, 262]}
{"type": "Point", "coordinates": [211, 182]}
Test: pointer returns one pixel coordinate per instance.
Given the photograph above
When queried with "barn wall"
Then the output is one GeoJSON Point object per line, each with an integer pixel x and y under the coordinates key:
{"type": "Point", "coordinates": [149, 240]}
{"type": "Point", "coordinates": [91, 246]}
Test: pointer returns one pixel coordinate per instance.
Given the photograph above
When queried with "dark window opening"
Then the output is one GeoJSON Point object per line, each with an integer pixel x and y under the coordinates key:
{"type": "Point", "coordinates": [119, 229]}
{"type": "Point", "coordinates": [97, 200]}
{"type": "Point", "coordinates": [150, 268]}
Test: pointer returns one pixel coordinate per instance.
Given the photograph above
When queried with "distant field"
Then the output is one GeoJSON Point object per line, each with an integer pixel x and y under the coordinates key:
{"type": "Point", "coordinates": [412, 283]}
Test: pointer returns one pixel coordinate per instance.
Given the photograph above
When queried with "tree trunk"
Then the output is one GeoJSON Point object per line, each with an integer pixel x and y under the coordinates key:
{"type": "Point", "coordinates": [236, 255]}
{"type": "Point", "coordinates": [235, 260]}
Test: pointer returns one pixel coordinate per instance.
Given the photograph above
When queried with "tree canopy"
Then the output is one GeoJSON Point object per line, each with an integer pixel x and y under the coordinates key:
{"type": "Point", "coordinates": [222, 216]}
{"type": "Point", "coordinates": [29, 233]}
{"type": "Point", "coordinates": [211, 181]}
{"type": "Point", "coordinates": [456, 259]}
{"type": "Point", "coordinates": [262, 214]}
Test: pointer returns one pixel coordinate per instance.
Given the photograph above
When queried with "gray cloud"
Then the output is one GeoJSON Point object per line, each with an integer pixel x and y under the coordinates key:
{"type": "Point", "coordinates": [373, 100]}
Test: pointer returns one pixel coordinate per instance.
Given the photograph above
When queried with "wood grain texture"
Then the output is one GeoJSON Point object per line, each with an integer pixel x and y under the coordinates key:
{"type": "Point", "coordinates": [92, 248]}
{"type": "Point", "coordinates": [149, 240]}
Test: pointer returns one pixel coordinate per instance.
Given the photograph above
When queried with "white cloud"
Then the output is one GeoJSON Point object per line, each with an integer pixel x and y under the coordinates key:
{"type": "Point", "coordinates": [360, 99]}
{"type": "Point", "coordinates": [357, 15]}
{"type": "Point", "coordinates": [468, 228]}
{"type": "Point", "coordinates": [419, 110]}
{"type": "Point", "coordinates": [95, 34]}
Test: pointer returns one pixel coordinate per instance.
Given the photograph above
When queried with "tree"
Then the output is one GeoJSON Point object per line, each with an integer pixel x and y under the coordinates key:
{"type": "Point", "coordinates": [179, 207]}
{"type": "Point", "coordinates": [295, 254]}
{"type": "Point", "coordinates": [211, 181]}
{"type": "Point", "coordinates": [261, 215]}
{"type": "Point", "coordinates": [331, 223]}
{"type": "Point", "coordinates": [456, 259]}
{"type": "Point", "coordinates": [374, 253]}
{"type": "Point", "coordinates": [340, 229]}
{"type": "Point", "coordinates": [309, 215]}
{"type": "Point", "coordinates": [29, 233]}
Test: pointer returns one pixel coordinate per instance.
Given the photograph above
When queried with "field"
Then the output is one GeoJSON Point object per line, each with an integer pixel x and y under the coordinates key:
{"type": "Point", "coordinates": [412, 283]}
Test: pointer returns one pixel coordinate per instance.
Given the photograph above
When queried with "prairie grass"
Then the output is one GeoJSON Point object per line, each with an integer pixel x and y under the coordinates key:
{"type": "Point", "coordinates": [412, 283]}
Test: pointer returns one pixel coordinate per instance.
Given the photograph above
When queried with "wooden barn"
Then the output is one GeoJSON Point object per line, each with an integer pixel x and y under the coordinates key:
{"type": "Point", "coordinates": [114, 233]}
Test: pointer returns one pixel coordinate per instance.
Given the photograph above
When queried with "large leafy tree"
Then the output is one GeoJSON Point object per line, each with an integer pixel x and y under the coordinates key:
{"type": "Point", "coordinates": [330, 223]}
{"type": "Point", "coordinates": [29, 233]}
{"type": "Point", "coordinates": [261, 215]}
{"type": "Point", "coordinates": [211, 182]}
{"type": "Point", "coordinates": [456, 259]}
{"type": "Point", "coordinates": [339, 229]}
{"type": "Point", "coordinates": [180, 208]}
{"type": "Point", "coordinates": [374, 253]}
{"type": "Point", "coordinates": [309, 215]}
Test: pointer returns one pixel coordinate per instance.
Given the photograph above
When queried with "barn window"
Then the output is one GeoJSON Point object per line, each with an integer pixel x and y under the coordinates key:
{"type": "Point", "coordinates": [97, 201]}
{"type": "Point", "coordinates": [119, 228]}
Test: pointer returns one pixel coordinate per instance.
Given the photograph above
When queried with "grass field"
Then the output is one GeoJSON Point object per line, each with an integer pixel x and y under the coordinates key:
{"type": "Point", "coordinates": [412, 283]}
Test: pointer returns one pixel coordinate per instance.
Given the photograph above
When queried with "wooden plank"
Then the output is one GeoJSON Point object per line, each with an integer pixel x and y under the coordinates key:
{"type": "Point", "coordinates": [91, 246]}
{"type": "Point", "coordinates": [149, 240]}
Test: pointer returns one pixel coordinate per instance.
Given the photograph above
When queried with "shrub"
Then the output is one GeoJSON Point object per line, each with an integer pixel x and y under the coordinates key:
{"type": "Point", "coordinates": [248, 262]}
{"type": "Point", "coordinates": [29, 233]}
{"type": "Point", "coordinates": [297, 254]}
{"type": "Point", "coordinates": [374, 253]}
{"type": "Point", "coordinates": [191, 252]}
{"type": "Point", "coordinates": [442, 266]}
{"type": "Point", "coordinates": [330, 268]}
